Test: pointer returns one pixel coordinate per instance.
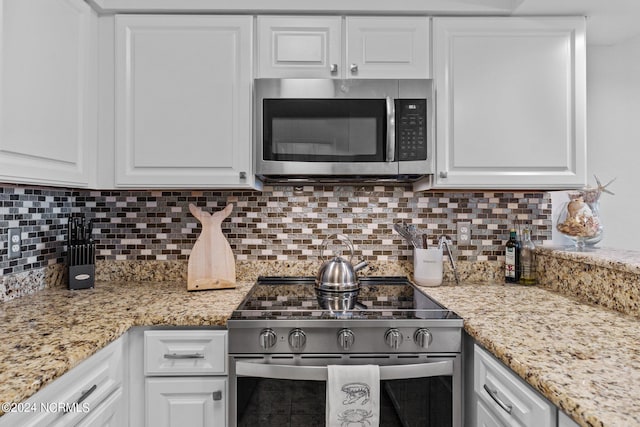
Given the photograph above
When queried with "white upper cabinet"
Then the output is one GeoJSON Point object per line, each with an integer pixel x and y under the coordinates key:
{"type": "Point", "coordinates": [183, 101]}
{"type": "Point", "coordinates": [48, 115]}
{"type": "Point", "coordinates": [382, 47]}
{"type": "Point", "coordinates": [510, 96]}
{"type": "Point", "coordinates": [294, 46]}
{"type": "Point", "coordinates": [318, 47]}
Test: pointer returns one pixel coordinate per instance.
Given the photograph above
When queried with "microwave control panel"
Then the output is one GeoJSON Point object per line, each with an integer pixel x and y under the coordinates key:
{"type": "Point", "coordinates": [411, 129]}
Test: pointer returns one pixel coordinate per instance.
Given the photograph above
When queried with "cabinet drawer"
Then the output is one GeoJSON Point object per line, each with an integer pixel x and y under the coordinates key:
{"type": "Point", "coordinates": [110, 413]}
{"type": "Point", "coordinates": [184, 352]}
{"type": "Point", "coordinates": [486, 418]}
{"type": "Point", "coordinates": [508, 397]}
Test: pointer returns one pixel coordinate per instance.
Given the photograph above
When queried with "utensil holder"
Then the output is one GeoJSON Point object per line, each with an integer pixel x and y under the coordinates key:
{"type": "Point", "coordinates": [427, 266]}
{"type": "Point", "coordinates": [82, 266]}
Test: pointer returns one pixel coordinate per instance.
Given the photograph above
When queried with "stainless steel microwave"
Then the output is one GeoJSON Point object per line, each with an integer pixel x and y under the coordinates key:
{"type": "Point", "coordinates": [354, 129]}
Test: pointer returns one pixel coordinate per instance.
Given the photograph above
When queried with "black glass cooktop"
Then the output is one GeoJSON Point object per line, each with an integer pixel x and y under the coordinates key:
{"type": "Point", "coordinates": [289, 298]}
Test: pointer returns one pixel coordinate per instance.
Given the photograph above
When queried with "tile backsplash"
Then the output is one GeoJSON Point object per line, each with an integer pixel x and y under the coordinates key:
{"type": "Point", "coordinates": [279, 223]}
{"type": "Point", "coordinates": [41, 215]}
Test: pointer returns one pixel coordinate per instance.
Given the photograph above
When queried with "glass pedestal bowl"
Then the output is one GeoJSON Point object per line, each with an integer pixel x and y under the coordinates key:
{"type": "Point", "coordinates": [579, 218]}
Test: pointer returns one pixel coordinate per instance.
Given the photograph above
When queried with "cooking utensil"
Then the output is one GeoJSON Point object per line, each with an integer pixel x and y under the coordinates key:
{"type": "Point", "coordinates": [337, 286]}
{"type": "Point", "coordinates": [338, 274]}
{"type": "Point", "coordinates": [402, 229]}
{"type": "Point", "coordinates": [447, 243]}
{"type": "Point", "coordinates": [337, 301]}
{"type": "Point", "coordinates": [416, 240]}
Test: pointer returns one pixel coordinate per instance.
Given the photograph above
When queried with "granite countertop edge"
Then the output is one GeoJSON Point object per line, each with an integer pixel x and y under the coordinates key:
{"type": "Point", "coordinates": [616, 259]}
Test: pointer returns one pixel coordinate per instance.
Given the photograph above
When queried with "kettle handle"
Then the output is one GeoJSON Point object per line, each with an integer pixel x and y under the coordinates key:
{"type": "Point", "coordinates": [344, 239]}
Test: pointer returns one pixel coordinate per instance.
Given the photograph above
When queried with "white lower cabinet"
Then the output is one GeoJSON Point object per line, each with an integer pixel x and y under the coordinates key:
{"type": "Point", "coordinates": [565, 421]}
{"type": "Point", "coordinates": [503, 399]}
{"type": "Point", "coordinates": [486, 418]}
{"type": "Point", "coordinates": [109, 413]}
{"type": "Point", "coordinates": [178, 377]}
{"type": "Point", "coordinates": [193, 401]}
{"type": "Point", "coordinates": [92, 394]}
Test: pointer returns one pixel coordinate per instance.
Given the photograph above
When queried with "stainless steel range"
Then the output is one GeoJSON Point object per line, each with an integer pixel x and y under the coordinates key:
{"type": "Point", "coordinates": [281, 342]}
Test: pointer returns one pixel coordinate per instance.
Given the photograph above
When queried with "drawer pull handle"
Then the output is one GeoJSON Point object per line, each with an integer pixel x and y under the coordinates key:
{"type": "Point", "coordinates": [494, 396]}
{"type": "Point", "coordinates": [217, 395]}
{"type": "Point", "coordinates": [84, 396]}
{"type": "Point", "coordinates": [184, 356]}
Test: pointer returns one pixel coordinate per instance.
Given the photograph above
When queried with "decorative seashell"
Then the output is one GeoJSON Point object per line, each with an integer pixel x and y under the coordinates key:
{"type": "Point", "coordinates": [577, 207]}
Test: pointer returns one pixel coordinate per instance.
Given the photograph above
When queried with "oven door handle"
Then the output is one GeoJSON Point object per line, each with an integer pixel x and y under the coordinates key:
{"type": "Point", "coordinates": [319, 373]}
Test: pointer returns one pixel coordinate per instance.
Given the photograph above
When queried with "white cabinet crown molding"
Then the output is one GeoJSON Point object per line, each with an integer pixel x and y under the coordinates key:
{"type": "Point", "coordinates": [419, 7]}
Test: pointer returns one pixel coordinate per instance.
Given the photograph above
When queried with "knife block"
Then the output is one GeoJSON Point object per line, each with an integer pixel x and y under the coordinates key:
{"type": "Point", "coordinates": [82, 266]}
{"type": "Point", "coordinates": [211, 262]}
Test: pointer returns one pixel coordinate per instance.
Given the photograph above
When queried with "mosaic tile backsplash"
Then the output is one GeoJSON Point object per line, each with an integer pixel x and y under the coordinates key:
{"type": "Point", "coordinates": [41, 214]}
{"type": "Point", "coordinates": [279, 223]}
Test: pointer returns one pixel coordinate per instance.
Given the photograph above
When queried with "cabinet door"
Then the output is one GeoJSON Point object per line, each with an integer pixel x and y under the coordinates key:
{"type": "Point", "coordinates": [294, 46]}
{"type": "Point", "coordinates": [95, 382]}
{"type": "Point", "coordinates": [109, 413]}
{"type": "Point", "coordinates": [183, 101]}
{"type": "Point", "coordinates": [382, 47]}
{"type": "Point", "coordinates": [193, 401]}
{"type": "Point", "coordinates": [507, 397]}
{"type": "Point", "coordinates": [48, 127]}
{"type": "Point", "coordinates": [485, 418]}
{"type": "Point", "coordinates": [511, 102]}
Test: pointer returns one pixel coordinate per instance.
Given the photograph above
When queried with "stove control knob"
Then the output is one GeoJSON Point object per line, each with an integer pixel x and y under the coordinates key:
{"type": "Point", "coordinates": [393, 338]}
{"type": "Point", "coordinates": [346, 338]}
{"type": "Point", "coordinates": [297, 339]}
{"type": "Point", "coordinates": [267, 338]}
{"type": "Point", "coordinates": [422, 337]}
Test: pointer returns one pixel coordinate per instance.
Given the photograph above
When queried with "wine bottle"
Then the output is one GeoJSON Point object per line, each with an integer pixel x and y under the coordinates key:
{"type": "Point", "coordinates": [512, 258]}
{"type": "Point", "coordinates": [527, 259]}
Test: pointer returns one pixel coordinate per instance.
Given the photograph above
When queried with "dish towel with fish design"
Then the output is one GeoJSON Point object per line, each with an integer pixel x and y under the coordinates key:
{"type": "Point", "coordinates": [353, 396]}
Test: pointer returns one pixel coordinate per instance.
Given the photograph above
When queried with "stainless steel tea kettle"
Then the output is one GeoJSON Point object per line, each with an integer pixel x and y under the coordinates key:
{"type": "Point", "coordinates": [338, 274]}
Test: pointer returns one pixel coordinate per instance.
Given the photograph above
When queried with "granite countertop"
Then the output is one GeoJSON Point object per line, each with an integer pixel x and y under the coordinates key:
{"type": "Point", "coordinates": [584, 359]}
{"type": "Point", "coordinates": [619, 259]}
{"type": "Point", "coordinates": [47, 333]}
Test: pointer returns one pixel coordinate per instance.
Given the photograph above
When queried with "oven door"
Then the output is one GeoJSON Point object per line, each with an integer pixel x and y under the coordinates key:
{"type": "Point", "coordinates": [415, 390]}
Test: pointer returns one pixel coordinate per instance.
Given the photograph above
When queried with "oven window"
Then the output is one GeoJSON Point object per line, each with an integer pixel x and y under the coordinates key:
{"type": "Point", "coordinates": [324, 130]}
{"type": "Point", "coordinates": [419, 402]}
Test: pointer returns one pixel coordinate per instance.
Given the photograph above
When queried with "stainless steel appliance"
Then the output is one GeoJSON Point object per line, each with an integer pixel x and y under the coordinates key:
{"type": "Point", "coordinates": [337, 285]}
{"type": "Point", "coordinates": [329, 129]}
{"type": "Point", "coordinates": [281, 342]}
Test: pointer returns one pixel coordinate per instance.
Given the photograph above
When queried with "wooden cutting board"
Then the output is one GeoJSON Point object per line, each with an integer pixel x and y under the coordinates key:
{"type": "Point", "coordinates": [211, 263]}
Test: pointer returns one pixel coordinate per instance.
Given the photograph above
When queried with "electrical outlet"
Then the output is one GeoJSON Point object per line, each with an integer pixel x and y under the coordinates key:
{"type": "Point", "coordinates": [14, 244]}
{"type": "Point", "coordinates": [464, 233]}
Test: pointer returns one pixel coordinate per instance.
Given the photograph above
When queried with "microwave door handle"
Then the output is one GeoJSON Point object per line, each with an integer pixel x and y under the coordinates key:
{"type": "Point", "coordinates": [391, 130]}
{"type": "Point", "coordinates": [319, 373]}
